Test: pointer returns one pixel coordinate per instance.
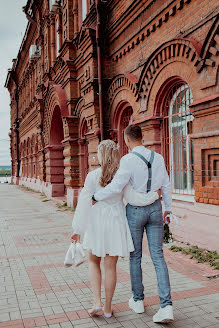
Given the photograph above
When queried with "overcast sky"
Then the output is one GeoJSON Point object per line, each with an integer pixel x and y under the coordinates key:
{"type": "Point", "coordinates": [12, 27]}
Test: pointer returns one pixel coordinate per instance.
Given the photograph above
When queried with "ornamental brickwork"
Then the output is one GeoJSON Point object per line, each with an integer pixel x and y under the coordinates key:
{"type": "Point", "coordinates": [159, 64]}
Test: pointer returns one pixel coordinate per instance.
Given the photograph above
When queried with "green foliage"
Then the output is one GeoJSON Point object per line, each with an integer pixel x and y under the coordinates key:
{"type": "Point", "coordinates": [61, 207]}
{"type": "Point", "coordinates": [5, 172]}
{"type": "Point", "coordinates": [168, 237]}
{"type": "Point", "coordinates": [202, 255]}
{"type": "Point", "coordinates": [64, 207]}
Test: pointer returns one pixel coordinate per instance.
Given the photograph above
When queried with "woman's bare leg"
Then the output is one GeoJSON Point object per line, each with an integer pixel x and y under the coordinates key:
{"type": "Point", "coordinates": [110, 281]}
{"type": "Point", "coordinates": [96, 280]}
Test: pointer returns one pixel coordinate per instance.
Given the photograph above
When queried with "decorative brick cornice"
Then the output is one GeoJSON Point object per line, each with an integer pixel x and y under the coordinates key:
{"type": "Point", "coordinates": [79, 107]}
{"type": "Point", "coordinates": [182, 50]}
{"type": "Point", "coordinates": [210, 49]}
{"type": "Point", "coordinates": [148, 29]}
{"type": "Point", "coordinates": [119, 83]}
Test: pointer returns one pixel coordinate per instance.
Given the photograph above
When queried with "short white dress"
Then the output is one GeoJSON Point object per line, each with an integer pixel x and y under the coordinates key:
{"type": "Point", "coordinates": [104, 226]}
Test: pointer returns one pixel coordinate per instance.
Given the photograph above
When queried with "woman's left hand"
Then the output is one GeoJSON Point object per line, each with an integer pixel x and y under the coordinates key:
{"type": "Point", "coordinates": [75, 238]}
{"type": "Point", "coordinates": [159, 193]}
{"type": "Point", "coordinates": [164, 217]}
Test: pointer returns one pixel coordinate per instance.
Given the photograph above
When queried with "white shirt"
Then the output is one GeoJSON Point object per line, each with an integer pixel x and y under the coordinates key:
{"type": "Point", "coordinates": [111, 205]}
{"type": "Point", "coordinates": [134, 170]}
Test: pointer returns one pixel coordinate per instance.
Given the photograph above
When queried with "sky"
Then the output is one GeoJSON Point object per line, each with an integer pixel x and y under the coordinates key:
{"type": "Point", "coordinates": [13, 23]}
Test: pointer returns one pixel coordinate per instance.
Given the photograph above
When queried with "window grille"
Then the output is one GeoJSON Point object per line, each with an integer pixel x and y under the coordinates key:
{"type": "Point", "coordinates": [178, 148]}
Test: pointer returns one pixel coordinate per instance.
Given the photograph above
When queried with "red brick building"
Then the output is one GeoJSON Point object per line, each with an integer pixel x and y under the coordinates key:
{"type": "Point", "coordinates": [86, 69]}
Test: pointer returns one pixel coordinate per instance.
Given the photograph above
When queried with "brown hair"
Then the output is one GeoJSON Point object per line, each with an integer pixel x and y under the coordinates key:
{"type": "Point", "coordinates": [134, 132]}
{"type": "Point", "coordinates": [109, 158]}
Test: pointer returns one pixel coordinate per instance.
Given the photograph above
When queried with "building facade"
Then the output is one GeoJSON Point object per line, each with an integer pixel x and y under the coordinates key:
{"type": "Point", "coordinates": [86, 69]}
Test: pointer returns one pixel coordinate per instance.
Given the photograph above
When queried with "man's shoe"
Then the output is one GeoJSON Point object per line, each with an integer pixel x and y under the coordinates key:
{"type": "Point", "coordinates": [137, 306]}
{"type": "Point", "coordinates": [164, 315]}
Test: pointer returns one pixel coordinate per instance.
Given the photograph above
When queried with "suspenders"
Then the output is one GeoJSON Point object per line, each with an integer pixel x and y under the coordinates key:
{"type": "Point", "coordinates": [149, 165]}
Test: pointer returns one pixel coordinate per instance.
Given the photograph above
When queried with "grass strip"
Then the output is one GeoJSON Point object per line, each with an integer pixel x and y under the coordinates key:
{"type": "Point", "coordinates": [200, 254]}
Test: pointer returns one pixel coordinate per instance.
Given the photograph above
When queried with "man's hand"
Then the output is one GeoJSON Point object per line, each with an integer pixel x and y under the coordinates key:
{"type": "Point", "coordinates": [94, 201]}
{"type": "Point", "coordinates": [75, 238]}
{"type": "Point", "coordinates": [159, 192]}
{"type": "Point", "coordinates": [164, 216]}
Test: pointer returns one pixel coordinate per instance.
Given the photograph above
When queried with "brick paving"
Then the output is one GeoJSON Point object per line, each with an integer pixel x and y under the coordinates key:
{"type": "Point", "coordinates": [37, 291]}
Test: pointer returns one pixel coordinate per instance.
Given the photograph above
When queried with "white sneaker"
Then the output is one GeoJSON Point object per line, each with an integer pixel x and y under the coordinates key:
{"type": "Point", "coordinates": [164, 315]}
{"type": "Point", "coordinates": [137, 306]}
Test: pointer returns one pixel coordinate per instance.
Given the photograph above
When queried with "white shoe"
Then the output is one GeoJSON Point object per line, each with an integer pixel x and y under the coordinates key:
{"type": "Point", "coordinates": [164, 315]}
{"type": "Point", "coordinates": [137, 306]}
{"type": "Point", "coordinates": [107, 315]}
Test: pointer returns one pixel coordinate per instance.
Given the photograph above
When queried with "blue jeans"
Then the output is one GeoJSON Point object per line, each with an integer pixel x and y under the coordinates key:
{"type": "Point", "coordinates": [148, 218]}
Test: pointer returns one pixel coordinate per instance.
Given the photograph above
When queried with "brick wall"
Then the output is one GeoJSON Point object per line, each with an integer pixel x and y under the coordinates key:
{"type": "Point", "coordinates": [148, 47]}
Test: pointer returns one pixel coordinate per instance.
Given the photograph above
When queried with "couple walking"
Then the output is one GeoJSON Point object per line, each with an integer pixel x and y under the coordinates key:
{"type": "Point", "coordinates": [110, 229]}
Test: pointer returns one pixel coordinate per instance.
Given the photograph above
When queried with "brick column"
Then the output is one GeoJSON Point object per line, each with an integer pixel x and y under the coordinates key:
{"type": "Point", "coordinates": [75, 13]}
{"type": "Point", "coordinates": [152, 132]}
{"type": "Point", "coordinates": [41, 158]}
{"type": "Point", "coordinates": [55, 169]}
{"type": "Point", "coordinates": [93, 142]}
{"type": "Point", "coordinates": [53, 38]}
{"type": "Point", "coordinates": [71, 163]}
{"type": "Point", "coordinates": [71, 150]}
{"type": "Point", "coordinates": [31, 165]}
{"type": "Point", "coordinates": [24, 170]}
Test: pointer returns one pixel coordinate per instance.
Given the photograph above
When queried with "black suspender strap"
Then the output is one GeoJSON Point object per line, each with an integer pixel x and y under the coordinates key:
{"type": "Point", "coordinates": [149, 165]}
{"type": "Point", "coordinates": [150, 171]}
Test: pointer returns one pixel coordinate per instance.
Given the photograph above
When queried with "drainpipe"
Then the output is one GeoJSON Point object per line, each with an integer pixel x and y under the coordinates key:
{"type": "Point", "coordinates": [99, 65]}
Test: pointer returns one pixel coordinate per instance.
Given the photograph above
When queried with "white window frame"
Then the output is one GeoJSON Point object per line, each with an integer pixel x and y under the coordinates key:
{"type": "Point", "coordinates": [181, 124]}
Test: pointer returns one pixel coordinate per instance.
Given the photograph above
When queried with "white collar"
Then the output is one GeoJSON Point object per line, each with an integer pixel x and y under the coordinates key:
{"type": "Point", "coordinates": [139, 148]}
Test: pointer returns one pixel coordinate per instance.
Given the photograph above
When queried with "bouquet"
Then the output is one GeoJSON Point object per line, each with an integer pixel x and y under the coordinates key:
{"type": "Point", "coordinates": [169, 218]}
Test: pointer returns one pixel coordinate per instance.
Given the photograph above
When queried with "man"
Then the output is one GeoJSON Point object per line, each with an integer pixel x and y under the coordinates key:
{"type": "Point", "coordinates": [146, 171]}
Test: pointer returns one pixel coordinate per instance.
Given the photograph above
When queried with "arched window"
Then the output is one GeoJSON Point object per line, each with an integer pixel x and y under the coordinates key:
{"type": "Point", "coordinates": [82, 11]}
{"type": "Point", "coordinates": [123, 116]}
{"type": "Point", "coordinates": [125, 120]}
{"type": "Point", "coordinates": [178, 149]}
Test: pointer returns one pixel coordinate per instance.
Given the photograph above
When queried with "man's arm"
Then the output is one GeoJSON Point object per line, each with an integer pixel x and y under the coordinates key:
{"type": "Point", "coordinates": [166, 189]}
{"type": "Point", "coordinates": [120, 180]}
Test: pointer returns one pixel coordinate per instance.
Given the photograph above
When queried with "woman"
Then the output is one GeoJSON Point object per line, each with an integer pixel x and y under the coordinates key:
{"type": "Point", "coordinates": [104, 225]}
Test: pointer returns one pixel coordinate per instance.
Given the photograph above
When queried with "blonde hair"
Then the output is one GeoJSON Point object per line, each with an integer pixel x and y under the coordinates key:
{"type": "Point", "coordinates": [109, 158]}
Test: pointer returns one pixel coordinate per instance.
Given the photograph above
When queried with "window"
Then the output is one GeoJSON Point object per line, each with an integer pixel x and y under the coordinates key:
{"type": "Point", "coordinates": [84, 9]}
{"type": "Point", "coordinates": [54, 3]}
{"type": "Point", "coordinates": [125, 120]}
{"type": "Point", "coordinates": [57, 38]}
{"type": "Point", "coordinates": [178, 144]}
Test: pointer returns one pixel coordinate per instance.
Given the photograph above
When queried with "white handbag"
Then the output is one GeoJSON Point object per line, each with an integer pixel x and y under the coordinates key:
{"type": "Point", "coordinates": [75, 255]}
{"type": "Point", "coordinates": [79, 254]}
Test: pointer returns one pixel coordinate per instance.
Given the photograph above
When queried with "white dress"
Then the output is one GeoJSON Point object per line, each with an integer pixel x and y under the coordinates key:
{"type": "Point", "coordinates": [104, 225]}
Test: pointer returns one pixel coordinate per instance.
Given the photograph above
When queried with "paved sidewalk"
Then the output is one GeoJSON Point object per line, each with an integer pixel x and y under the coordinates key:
{"type": "Point", "coordinates": [36, 290]}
